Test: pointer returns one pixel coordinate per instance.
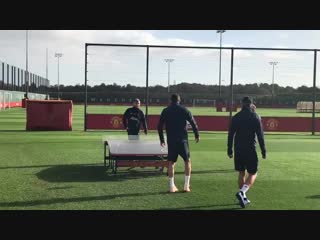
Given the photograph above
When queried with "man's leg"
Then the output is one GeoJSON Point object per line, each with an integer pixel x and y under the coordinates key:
{"type": "Point", "coordinates": [241, 178]}
{"type": "Point", "coordinates": [187, 173]}
{"type": "Point", "coordinates": [252, 168]}
{"type": "Point", "coordinates": [172, 186]}
{"type": "Point", "coordinates": [251, 179]}
{"type": "Point", "coordinates": [248, 183]}
{"type": "Point", "coordinates": [239, 163]}
{"type": "Point", "coordinates": [184, 152]}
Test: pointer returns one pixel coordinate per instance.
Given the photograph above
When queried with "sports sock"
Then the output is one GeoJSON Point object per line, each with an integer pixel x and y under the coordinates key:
{"type": "Point", "coordinates": [186, 181]}
{"type": "Point", "coordinates": [244, 195]}
{"type": "Point", "coordinates": [244, 189]}
{"type": "Point", "coordinates": [171, 182]}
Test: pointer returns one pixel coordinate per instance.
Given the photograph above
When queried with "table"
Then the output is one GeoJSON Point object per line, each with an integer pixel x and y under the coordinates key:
{"type": "Point", "coordinates": [134, 153]}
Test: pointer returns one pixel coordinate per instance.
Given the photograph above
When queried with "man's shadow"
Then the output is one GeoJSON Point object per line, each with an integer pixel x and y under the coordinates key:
{"type": "Point", "coordinates": [92, 173]}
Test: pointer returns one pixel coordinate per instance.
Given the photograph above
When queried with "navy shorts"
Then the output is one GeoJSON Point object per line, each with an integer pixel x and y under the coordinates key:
{"type": "Point", "coordinates": [133, 134]}
{"type": "Point", "coordinates": [178, 148]}
{"type": "Point", "coordinates": [246, 160]}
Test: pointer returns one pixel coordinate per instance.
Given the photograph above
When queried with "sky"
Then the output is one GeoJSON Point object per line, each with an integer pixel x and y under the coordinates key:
{"type": "Point", "coordinates": [123, 66]}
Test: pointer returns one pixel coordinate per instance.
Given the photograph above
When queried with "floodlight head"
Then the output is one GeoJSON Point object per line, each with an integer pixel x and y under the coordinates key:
{"type": "Point", "coordinates": [169, 60]}
{"type": "Point", "coordinates": [221, 31]}
{"type": "Point", "coordinates": [58, 55]}
{"type": "Point", "coordinates": [273, 63]}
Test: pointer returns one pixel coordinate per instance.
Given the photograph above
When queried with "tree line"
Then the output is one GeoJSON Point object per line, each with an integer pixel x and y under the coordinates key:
{"type": "Point", "coordinates": [261, 93]}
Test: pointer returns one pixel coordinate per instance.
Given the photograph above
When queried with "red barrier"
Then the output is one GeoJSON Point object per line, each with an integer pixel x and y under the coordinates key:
{"type": "Point", "coordinates": [104, 121]}
{"type": "Point", "coordinates": [205, 123]}
{"type": "Point", "coordinates": [11, 104]}
{"type": "Point", "coordinates": [24, 102]}
{"type": "Point", "coordinates": [49, 115]}
{"type": "Point", "coordinates": [209, 123]}
{"type": "Point", "coordinates": [289, 124]}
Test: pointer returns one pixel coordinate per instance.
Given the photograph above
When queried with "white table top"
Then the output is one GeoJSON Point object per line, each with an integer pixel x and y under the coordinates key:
{"type": "Point", "coordinates": [136, 147]}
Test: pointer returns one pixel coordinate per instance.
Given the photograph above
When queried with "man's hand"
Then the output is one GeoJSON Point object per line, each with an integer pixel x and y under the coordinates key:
{"type": "Point", "coordinates": [264, 155]}
{"type": "Point", "coordinates": [163, 144]}
{"type": "Point", "coordinates": [145, 132]}
{"type": "Point", "coordinates": [197, 139]}
{"type": "Point", "coordinates": [230, 155]}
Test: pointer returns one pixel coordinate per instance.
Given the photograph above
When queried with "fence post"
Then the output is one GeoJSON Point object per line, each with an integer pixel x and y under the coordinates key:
{"type": "Point", "coordinates": [314, 93]}
{"type": "Point", "coordinates": [147, 86]}
{"type": "Point", "coordinates": [231, 87]}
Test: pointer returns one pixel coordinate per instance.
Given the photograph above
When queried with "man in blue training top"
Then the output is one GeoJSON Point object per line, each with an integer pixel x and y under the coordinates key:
{"type": "Point", "coordinates": [132, 120]}
{"type": "Point", "coordinates": [244, 128]}
{"type": "Point", "coordinates": [175, 118]}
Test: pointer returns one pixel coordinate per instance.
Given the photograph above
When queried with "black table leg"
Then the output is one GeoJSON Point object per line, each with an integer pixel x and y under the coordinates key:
{"type": "Point", "coordinates": [105, 156]}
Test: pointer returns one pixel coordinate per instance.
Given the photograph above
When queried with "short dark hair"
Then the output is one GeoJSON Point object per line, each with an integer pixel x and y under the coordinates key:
{"type": "Point", "coordinates": [136, 100]}
{"type": "Point", "coordinates": [175, 98]}
{"type": "Point", "coordinates": [246, 101]}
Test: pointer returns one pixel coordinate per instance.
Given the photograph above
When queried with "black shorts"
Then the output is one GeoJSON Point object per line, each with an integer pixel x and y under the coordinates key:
{"type": "Point", "coordinates": [179, 148]}
{"type": "Point", "coordinates": [246, 160]}
{"type": "Point", "coordinates": [133, 131]}
{"type": "Point", "coordinates": [133, 134]}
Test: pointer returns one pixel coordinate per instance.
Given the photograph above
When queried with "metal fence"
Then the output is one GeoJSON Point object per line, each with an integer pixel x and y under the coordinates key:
{"type": "Point", "coordinates": [13, 78]}
{"type": "Point", "coordinates": [145, 56]}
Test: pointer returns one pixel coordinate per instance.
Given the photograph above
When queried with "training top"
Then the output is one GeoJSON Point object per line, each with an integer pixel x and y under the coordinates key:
{"type": "Point", "coordinates": [175, 118]}
{"type": "Point", "coordinates": [132, 119]}
{"type": "Point", "coordinates": [245, 125]}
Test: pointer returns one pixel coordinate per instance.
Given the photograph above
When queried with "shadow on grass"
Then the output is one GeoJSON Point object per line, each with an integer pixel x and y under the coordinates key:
{"type": "Point", "coordinates": [59, 188]}
{"type": "Point", "coordinates": [46, 166]}
{"type": "Point", "coordinates": [97, 173]}
{"type": "Point", "coordinates": [231, 206]}
{"type": "Point", "coordinates": [17, 131]}
{"type": "Point", "coordinates": [89, 173]}
{"type": "Point", "coordinates": [314, 197]}
{"type": "Point", "coordinates": [74, 199]}
{"type": "Point", "coordinates": [210, 171]}
{"type": "Point", "coordinates": [49, 142]}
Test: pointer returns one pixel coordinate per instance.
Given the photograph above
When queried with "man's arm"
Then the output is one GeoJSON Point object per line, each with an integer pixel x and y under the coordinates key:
{"type": "Point", "coordinates": [193, 124]}
{"type": "Point", "coordinates": [260, 136]}
{"type": "Point", "coordinates": [160, 127]}
{"type": "Point", "coordinates": [124, 119]}
{"type": "Point", "coordinates": [232, 131]}
{"type": "Point", "coordinates": [144, 122]}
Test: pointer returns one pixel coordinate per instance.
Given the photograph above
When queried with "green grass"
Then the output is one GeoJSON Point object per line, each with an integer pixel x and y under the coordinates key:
{"type": "Point", "coordinates": [264, 112]}
{"type": "Point", "coordinates": [64, 170]}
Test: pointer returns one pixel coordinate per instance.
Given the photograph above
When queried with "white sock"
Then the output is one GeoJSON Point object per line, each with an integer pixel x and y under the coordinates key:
{"type": "Point", "coordinates": [171, 182]}
{"type": "Point", "coordinates": [186, 181]}
{"type": "Point", "coordinates": [244, 194]}
{"type": "Point", "coordinates": [244, 189]}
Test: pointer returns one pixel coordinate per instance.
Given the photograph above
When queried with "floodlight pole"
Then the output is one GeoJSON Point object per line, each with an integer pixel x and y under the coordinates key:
{"type": "Point", "coordinates": [273, 64]}
{"type": "Point", "coordinates": [221, 32]}
{"type": "Point", "coordinates": [27, 73]}
{"type": "Point", "coordinates": [169, 60]}
{"type": "Point", "coordinates": [58, 55]}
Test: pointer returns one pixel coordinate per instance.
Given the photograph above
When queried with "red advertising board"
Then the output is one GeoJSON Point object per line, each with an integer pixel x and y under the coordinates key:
{"type": "Point", "coordinates": [209, 123]}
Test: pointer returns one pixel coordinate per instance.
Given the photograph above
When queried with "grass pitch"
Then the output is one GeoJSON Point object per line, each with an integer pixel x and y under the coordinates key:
{"type": "Point", "coordinates": [64, 170]}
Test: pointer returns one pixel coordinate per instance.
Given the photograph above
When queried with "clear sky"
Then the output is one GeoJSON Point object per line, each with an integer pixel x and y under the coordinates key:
{"type": "Point", "coordinates": [127, 66]}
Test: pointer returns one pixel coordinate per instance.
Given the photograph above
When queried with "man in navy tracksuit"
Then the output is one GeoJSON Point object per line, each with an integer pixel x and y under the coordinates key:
{"type": "Point", "coordinates": [175, 118]}
{"type": "Point", "coordinates": [244, 128]}
{"type": "Point", "coordinates": [132, 120]}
